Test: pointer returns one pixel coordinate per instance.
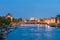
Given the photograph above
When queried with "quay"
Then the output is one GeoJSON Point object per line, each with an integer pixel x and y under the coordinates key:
{"type": "Point", "coordinates": [4, 31]}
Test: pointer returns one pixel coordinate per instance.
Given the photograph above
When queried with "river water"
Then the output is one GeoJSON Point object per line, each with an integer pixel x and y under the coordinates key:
{"type": "Point", "coordinates": [34, 32]}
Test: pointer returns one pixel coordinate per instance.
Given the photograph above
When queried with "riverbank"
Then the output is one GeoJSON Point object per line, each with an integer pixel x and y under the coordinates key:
{"type": "Point", "coordinates": [5, 30]}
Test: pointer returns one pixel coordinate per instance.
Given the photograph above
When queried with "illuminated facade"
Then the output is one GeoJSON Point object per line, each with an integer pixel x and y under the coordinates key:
{"type": "Point", "coordinates": [58, 20]}
{"type": "Point", "coordinates": [32, 18]}
{"type": "Point", "coordinates": [49, 20]}
{"type": "Point", "coordinates": [9, 16]}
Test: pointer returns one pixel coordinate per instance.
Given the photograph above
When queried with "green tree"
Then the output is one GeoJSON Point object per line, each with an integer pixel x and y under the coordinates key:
{"type": "Point", "coordinates": [4, 21]}
{"type": "Point", "coordinates": [14, 20]}
{"type": "Point", "coordinates": [19, 19]}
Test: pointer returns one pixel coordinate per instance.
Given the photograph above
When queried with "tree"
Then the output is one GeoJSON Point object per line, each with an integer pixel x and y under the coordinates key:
{"type": "Point", "coordinates": [14, 20]}
{"type": "Point", "coordinates": [20, 19]}
{"type": "Point", "coordinates": [4, 21]}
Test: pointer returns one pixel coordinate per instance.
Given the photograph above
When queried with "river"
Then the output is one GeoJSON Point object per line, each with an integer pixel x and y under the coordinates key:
{"type": "Point", "coordinates": [34, 32]}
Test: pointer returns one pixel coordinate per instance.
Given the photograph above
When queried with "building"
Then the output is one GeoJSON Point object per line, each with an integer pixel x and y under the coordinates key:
{"type": "Point", "coordinates": [58, 20]}
{"type": "Point", "coordinates": [49, 20]}
{"type": "Point", "coordinates": [9, 16]}
{"type": "Point", "coordinates": [32, 18]}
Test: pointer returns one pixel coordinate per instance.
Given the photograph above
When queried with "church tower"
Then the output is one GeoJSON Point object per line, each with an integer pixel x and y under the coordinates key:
{"type": "Point", "coordinates": [9, 16]}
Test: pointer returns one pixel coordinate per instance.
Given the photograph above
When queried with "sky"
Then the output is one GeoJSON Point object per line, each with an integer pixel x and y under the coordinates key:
{"type": "Point", "coordinates": [30, 8]}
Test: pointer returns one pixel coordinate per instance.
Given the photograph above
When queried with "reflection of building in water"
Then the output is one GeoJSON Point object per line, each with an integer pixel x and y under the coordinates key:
{"type": "Point", "coordinates": [9, 16]}
{"type": "Point", "coordinates": [48, 28]}
{"type": "Point", "coordinates": [39, 25]}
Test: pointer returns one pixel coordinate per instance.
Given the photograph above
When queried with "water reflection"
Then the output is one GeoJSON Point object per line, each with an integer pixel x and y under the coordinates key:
{"type": "Point", "coordinates": [40, 32]}
{"type": "Point", "coordinates": [48, 28]}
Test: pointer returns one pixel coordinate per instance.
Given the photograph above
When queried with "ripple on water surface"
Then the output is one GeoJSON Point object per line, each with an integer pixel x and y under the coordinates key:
{"type": "Point", "coordinates": [35, 33]}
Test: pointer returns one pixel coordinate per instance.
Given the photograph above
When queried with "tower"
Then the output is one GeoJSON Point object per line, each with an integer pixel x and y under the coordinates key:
{"type": "Point", "coordinates": [9, 16]}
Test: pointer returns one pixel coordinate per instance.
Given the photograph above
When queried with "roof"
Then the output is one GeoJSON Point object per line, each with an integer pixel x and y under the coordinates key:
{"type": "Point", "coordinates": [8, 15]}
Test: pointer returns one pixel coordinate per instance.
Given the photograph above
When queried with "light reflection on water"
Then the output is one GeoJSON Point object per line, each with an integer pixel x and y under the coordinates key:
{"type": "Point", "coordinates": [34, 32]}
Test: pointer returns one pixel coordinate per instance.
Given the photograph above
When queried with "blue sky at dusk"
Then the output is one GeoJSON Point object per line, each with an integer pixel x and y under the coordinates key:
{"type": "Point", "coordinates": [30, 8]}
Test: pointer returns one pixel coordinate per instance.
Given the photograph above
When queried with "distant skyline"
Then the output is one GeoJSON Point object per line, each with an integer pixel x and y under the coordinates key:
{"type": "Point", "coordinates": [30, 8]}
